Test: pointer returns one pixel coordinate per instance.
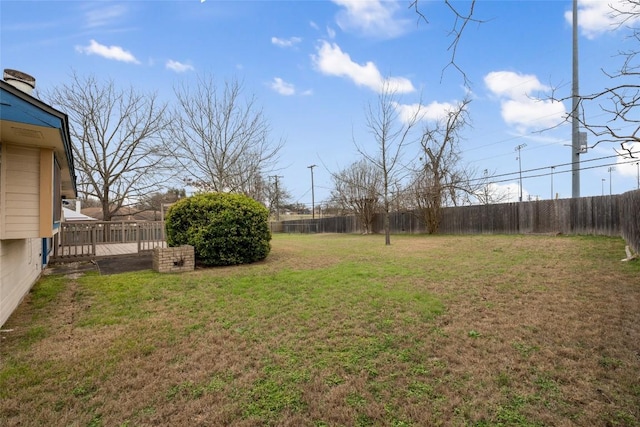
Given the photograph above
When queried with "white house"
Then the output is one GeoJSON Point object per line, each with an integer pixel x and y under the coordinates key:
{"type": "Point", "coordinates": [36, 174]}
{"type": "Point", "coordinates": [75, 216]}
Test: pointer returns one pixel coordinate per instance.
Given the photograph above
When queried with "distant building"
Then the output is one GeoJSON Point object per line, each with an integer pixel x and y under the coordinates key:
{"type": "Point", "coordinates": [75, 216]}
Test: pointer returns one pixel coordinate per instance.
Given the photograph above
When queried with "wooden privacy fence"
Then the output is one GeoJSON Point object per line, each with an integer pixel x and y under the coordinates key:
{"type": "Point", "coordinates": [617, 215]}
{"type": "Point", "coordinates": [82, 239]}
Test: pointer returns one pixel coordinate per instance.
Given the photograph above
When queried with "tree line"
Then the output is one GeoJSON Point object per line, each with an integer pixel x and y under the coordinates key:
{"type": "Point", "coordinates": [130, 148]}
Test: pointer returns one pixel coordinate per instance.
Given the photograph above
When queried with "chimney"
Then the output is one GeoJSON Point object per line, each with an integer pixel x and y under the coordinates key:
{"type": "Point", "coordinates": [20, 80]}
{"type": "Point", "coordinates": [78, 206]}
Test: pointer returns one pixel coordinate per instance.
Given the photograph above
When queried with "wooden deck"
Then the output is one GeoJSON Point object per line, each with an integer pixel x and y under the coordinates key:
{"type": "Point", "coordinates": [114, 249]}
{"type": "Point", "coordinates": [108, 249]}
{"type": "Point", "coordinates": [100, 239]}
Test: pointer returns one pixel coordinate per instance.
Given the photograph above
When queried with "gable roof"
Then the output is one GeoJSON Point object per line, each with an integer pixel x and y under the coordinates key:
{"type": "Point", "coordinates": [27, 121]}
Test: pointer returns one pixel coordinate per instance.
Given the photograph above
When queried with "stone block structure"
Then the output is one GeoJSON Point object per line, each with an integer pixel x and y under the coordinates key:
{"type": "Point", "coordinates": [177, 259]}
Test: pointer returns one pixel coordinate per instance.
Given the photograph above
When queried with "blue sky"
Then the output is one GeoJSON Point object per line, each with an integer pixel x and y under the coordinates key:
{"type": "Point", "coordinates": [315, 65]}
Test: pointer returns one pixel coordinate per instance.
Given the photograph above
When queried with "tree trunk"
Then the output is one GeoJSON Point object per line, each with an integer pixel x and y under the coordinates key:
{"type": "Point", "coordinates": [387, 226]}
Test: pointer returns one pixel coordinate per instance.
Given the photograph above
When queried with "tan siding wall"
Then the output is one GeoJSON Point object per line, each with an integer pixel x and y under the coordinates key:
{"type": "Point", "coordinates": [46, 193]}
{"type": "Point", "coordinates": [20, 267]}
{"type": "Point", "coordinates": [20, 203]}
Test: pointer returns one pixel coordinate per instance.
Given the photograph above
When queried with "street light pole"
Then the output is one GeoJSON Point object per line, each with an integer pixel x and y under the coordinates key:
{"type": "Point", "coordinates": [518, 148]}
{"type": "Point", "coordinates": [611, 169]}
{"type": "Point", "coordinates": [313, 207]}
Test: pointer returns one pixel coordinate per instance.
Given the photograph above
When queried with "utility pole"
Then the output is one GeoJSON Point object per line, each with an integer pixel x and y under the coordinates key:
{"type": "Point", "coordinates": [313, 206]}
{"type": "Point", "coordinates": [275, 178]}
{"type": "Point", "coordinates": [486, 187]}
{"type": "Point", "coordinates": [518, 148]}
{"type": "Point", "coordinates": [611, 169]}
{"type": "Point", "coordinates": [575, 117]}
{"type": "Point", "coordinates": [638, 174]}
{"type": "Point", "coordinates": [552, 168]}
{"type": "Point", "coordinates": [603, 180]}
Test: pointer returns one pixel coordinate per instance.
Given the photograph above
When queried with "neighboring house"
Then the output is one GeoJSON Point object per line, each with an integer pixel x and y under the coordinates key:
{"type": "Point", "coordinates": [75, 216]}
{"type": "Point", "coordinates": [36, 174]}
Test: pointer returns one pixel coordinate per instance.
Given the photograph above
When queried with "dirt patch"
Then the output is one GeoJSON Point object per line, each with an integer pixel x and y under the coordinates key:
{"type": "Point", "coordinates": [74, 269]}
{"type": "Point", "coordinates": [116, 265]}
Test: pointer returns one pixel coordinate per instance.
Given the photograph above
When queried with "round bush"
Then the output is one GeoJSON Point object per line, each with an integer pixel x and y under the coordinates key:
{"type": "Point", "coordinates": [224, 229]}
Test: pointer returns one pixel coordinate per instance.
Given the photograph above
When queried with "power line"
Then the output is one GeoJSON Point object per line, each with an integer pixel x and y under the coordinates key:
{"type": "Point", "coordinates": [633, 161]}
{"type": "Point", "coordinates": [558, 165]}
{"type": "Point", "coordinates": [552, 169]}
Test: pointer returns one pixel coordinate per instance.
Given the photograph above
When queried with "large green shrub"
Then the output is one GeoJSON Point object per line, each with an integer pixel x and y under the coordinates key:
{"type": "Point", "coordinates": [224, 229]}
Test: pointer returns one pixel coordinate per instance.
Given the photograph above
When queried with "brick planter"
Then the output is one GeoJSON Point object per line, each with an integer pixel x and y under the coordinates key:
{"type": "Point", "coordinates": [173, 260]}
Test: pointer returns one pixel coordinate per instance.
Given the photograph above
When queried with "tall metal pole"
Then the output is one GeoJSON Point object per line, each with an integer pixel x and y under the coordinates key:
{"type": "Point", "coordinates": [313, 202]}
{"type": "Point", "coordinates": [611, 169]}
{"type": "Point", "coordinates": [518, 148]}
{"type": "Point", "coordinates": [638, 174]}
{"type": "Point", "coordinates": [552, 168]}
{"type": "Point", "coordinates": [603, 180]}
{"type": "Point", "coordinates": [575, 125]}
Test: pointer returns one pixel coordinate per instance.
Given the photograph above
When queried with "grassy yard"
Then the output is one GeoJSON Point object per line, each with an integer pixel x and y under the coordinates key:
{"type": "Point", "coordinates": [339, 330]}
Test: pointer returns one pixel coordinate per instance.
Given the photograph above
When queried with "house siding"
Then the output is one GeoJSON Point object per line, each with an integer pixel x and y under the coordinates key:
{"type": "Point", "coordinates": [21, 267]}
{"type": "Point", "coordinates": [20, 192]}
{"type": "Point", "coordinates": [36, 172]}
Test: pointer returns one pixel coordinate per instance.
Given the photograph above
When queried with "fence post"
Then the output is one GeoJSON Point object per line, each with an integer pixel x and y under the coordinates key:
{"type": "Point", "coordinates": [93, 236]}
{"type": "Point", "coordinates": [56, 238]}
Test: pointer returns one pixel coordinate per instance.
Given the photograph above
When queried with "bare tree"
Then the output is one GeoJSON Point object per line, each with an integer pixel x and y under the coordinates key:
{"type": "Point", "coordinates": [440, 177]}
{"type": "Point", "coordinates": [154, 201]}
{"type": "Point", "coordinates": [276, 196]}
{"type": "Point", "coordinates": [391, 134]}
{"type": "Point", "coordinates": [221, 138]}
{"type": "Point", "coordinates": [462, 18]}
{"type": "Point", "coordinates": [486, 192]}
{"type": "Point", "coordinates": [117, 140]}
{"type": "Point", "coordinates": [357, 190]}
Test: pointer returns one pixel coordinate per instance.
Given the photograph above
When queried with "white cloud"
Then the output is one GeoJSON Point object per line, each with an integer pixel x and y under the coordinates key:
{"type": "Point", "coordinates": [103, 16]}
{"type": "Point", "coordinates": [513, 85]}
{"type": "Point", "coordinates": [331, 33]}
{"type": "Point", "coordinates": [506, 193]}
{"type": "Point", "coordinates": [282, 87]}
{"type": "Point", "coordinates": [438, 110]}
{"type": "Point", "coordinates": [519, 105]}
{"type": "Point", "coordinates": [331, 60]}
{"type": "Point", "coordinates": [407, 111]}
{"type": "Point", "coordinates": [110, 52]}
{"type": "Point", "coordinates": [290, 42]}
{"type": "Point", "coordinates": [432, 112]}
{"type": "Point", "coordinates": [372, 18]}
{"type": "Point", "coordinates": [178, 67]}
{"type": "Point", "coordinates": [596, 17]}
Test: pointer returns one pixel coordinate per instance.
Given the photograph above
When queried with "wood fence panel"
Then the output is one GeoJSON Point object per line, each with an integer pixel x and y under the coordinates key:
{"type": "Point", "coordinates": [630, 218]}
{"type": "Point", "coordinates": [617, 215]}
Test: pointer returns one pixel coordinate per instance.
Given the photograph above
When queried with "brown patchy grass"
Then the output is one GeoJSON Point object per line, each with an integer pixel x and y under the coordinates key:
{"type": "Point", "coordinates": [339, 330]}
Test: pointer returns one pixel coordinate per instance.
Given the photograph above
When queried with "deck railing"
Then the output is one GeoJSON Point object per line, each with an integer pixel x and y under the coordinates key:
{"type": "Point", "coordinates": [79, 239]}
